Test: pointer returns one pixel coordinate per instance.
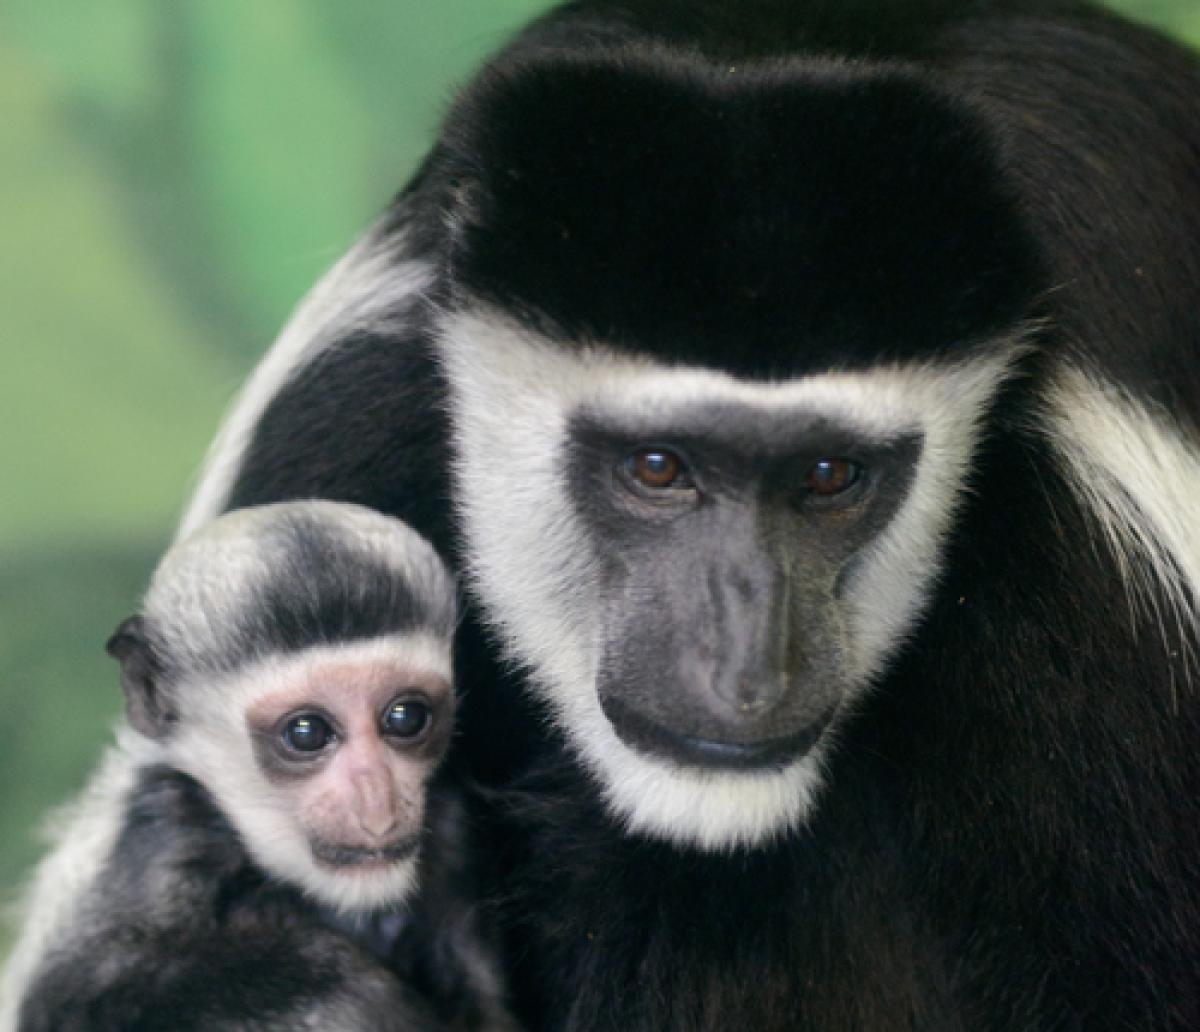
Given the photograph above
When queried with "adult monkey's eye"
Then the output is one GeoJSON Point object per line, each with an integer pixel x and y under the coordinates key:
{"type": "Point", "coordinates": [307, 733]}
{"type": "Point", "coordinates": [406, 718]}
{"type": "Point", "coordinates": [831, 476]}
{"type": "Point", "coordinates": [656, 468]}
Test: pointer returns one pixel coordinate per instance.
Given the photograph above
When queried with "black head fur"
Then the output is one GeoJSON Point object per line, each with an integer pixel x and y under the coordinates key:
{"type": "Point", "coordinates": [766, 219]}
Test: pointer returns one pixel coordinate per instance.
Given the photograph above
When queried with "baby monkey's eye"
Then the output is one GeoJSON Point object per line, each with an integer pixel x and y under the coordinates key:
{"type": "Point", "coordinates": [406, 718]}
{"type": "Point", "coordinates": [307, 733]}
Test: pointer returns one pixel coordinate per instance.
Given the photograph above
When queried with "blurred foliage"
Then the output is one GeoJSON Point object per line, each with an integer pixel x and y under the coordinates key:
{"type": "Point", "coordinates": [174, 175]}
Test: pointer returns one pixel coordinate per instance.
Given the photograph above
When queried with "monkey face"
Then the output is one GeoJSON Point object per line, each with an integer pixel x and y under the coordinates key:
{"type": "Point", "coordinates": [727, 558]}
{"type": "Point", "coordinates": [704, 573]}
{"type": "Point", "coordinates": [340, 743]}
{"type": "Point", "coordinates": [305, 685]}
{"type": "Point", "coordinates": [353, 744]}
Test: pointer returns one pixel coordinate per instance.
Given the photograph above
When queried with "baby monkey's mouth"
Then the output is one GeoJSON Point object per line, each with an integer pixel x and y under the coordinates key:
{"type": "Point", "coordinates": [332, 854]}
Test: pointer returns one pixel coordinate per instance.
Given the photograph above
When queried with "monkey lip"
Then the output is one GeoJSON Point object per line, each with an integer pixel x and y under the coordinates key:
{"type": "Point", "coordinates": [646, 735]}
{"type": "Point", "coordinates": [332, 854]}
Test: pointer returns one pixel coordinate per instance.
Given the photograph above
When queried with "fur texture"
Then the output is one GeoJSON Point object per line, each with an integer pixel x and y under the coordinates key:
{"type": "Point", "coordinates": [184, 890]}
{"type": "Point", "coordinates": [797, 200]}
{"type": "Point", "coordinates": [528, 543]}
{"type": "Point", "coordinates": [187, 934]}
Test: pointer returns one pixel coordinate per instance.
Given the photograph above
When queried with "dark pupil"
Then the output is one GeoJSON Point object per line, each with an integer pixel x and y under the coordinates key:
{"type": "Point", "coordinates": [406, 719]}
{"type": "Point", "coordinates": [307, 734]}
{"type": "Point", "coordinates": [655, 468]}
{"type": "Point", "coordinates": [831, 476]}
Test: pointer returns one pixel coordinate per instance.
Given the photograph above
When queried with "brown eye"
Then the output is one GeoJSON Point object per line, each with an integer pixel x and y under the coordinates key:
{"type": "Point", "coordinates": [655, 468]}
{"type": "Point", "coordinates": [831, 477]}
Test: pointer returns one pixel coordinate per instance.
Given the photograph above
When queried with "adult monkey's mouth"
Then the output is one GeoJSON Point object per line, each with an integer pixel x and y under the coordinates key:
{"type": "Point", "coordinates": [646, 735]}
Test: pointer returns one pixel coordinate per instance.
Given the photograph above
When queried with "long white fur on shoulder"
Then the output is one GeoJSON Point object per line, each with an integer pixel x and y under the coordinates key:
{"type": "Point", "coordinates": [83, 834]}
{"type": "Point", "coordinates": [372, 285]}
{"type": "Point", "coordinates": [1138, 473]}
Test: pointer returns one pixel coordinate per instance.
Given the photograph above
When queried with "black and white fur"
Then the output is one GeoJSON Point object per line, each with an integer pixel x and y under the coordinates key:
{"type": "Point", "coordinates": [183, 891]}
{"type": "Point", "coordinates": [969, 231]}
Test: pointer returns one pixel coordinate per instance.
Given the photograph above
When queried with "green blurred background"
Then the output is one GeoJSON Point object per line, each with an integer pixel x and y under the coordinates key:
{"type": "Point", "coordinates": [173, 175]}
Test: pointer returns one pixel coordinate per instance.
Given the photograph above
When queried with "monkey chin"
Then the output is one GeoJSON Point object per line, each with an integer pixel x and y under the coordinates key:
{"type": "Point", "coordinates": [353, 879]}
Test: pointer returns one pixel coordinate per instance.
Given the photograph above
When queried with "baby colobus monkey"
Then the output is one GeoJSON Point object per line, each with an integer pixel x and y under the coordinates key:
{"type": "Point", "coordinates": [270, 846]}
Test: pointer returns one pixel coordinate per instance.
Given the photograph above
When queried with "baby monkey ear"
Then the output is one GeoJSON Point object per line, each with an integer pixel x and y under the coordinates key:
{"type": "Point", "coordinates": [149, 709]}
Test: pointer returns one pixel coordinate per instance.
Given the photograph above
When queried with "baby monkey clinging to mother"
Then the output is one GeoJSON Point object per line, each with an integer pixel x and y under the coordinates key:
{"type": "Point", "coordinates": [270, 845]}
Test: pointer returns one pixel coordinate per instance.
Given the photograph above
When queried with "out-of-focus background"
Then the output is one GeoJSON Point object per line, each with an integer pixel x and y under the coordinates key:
{"type": "Point", "coordinates": [173, 176]}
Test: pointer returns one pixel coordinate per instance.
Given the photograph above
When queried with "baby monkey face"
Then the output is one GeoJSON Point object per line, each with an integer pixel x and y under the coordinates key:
{"type": "Point", "coordinates": [352, 745]}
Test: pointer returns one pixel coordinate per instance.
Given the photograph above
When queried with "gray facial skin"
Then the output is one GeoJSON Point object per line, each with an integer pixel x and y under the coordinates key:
{"type": "Point", "coordinates": [724, 638]}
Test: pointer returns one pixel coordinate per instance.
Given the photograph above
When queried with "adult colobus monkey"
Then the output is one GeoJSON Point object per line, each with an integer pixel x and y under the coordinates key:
{"type": "Point", "coordinates": [811, 393]}
{"type": "Point", "coordinates": [268, 848]}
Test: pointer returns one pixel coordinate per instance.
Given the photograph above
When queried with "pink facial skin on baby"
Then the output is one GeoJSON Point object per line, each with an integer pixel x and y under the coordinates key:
{"type": "Point", "coordinates": [354, 744]}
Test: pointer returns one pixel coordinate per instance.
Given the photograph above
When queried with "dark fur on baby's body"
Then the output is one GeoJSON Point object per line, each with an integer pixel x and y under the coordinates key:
{"type": "Point", "coordinates": [1007, 835]}
{"type": "Point", "coordinates": [188, 933]}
